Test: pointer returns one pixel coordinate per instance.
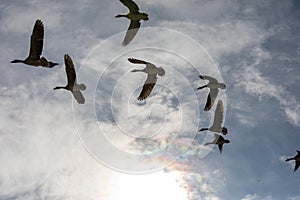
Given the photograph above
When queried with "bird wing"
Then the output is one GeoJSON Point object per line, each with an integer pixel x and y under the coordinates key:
{"type": "Point", "coordinates": [208, 143]}
{"type": "Point", "coordinates": [137, 61]}
{"type": "Point", "coordinates": [220, 147]}
{"type": "Point", "coordinates": [215, 141]}
{"type": "Point", "coordinates": [209, 78]}
{"type": "Point", "coordinates": [213, 93]}
{"type": "Point", "coordinates": [219, 115]}
{"type": "Point", "coordinates": [130, 5]}
{"type": "Point", "coordinates": [148, 86]}
{"type": "Point", "coordinates": [36, 40]}
{"type": "Point", "coordinates": [131, 32]}
{"type": "Point", "coordinates": [78, 96]}
{"type": "Point", "coordinates": [297, 165]}
{"type": "Point", "coordinates": [70, 70]}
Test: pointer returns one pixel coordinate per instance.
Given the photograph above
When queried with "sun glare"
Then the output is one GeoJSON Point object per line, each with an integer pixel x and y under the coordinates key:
{"type": "Point", "coordinates": [158, 186]}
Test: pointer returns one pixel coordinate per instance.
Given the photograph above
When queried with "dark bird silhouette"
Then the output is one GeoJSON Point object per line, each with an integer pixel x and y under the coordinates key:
{"type": "Point", "coordinates": [72, 85]}
{"type": "Point", "coordinates": [135, 17]}
{"type": "Point", "coordinates": [218, 120]}
{"type": "Point", "coordinates": [152, 73]}
{"type": "Point", "coordinates": [213, 85]}
{"type": "Point", "coordinates": [219, 140]}
{"type": "Point", "coordinates": [297, 160]}
{"type": "Point", "coordinates": [36, 48]}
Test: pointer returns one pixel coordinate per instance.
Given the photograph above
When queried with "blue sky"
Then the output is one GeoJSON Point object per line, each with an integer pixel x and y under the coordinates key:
{"type": "Point", "coordinates": [53, 148]}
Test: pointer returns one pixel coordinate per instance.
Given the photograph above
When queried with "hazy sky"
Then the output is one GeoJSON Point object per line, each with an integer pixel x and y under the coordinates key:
{"type": "Point", "coordinates": [53, 148]}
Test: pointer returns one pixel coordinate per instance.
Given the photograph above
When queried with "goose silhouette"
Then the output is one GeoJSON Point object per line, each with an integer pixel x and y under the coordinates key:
{"type": "Point", "coordinates": [72, 85]}
{"type": "Point", "coordinates": [297, 160]}
{"type": "Point", "coordinates": [36, 48]}
{"type": "Point", "coordinates": [213, 86]}
{"type": "Point", "coordinates": [152, 72]}
{"type": "Point", "coordinates": [218, 120]}
{"type": "Point", "coordinates": [219, 140]}
{"type": "Point", "coordinates": [135, 17]}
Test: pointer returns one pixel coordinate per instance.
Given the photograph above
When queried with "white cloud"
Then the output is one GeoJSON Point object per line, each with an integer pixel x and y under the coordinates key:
{"type": "Point", "coordinates": [294, 198]}
{"type": "Point", "coordinates": [16, 17]}
{"type": "Point", "coordinates": [254, 83]}
{"type": "Point", "coordinates": [41, 150]}
{"type": "Point", "coordinates": [256, 197]}
{"type": "Point", "coordinates": [42, 155]}
{"type": "Point", "coordinates": [221, 39]}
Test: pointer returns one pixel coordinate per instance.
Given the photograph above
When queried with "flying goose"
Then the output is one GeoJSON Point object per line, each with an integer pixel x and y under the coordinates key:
{"type": "Point", "coordinates": [213, 85]}
{"type": "Point", "coordinates": [219, 140]}
{"type": "Point", "coordinates": [218, 120]}
{"type": "Point", "coordinates": [72, 85]}
{"type": "Point", "coordinates": [297, 160]}
{"type": "Point", "coordinates": [135, 17]}
{"type": "Point", "coordinates": [152, 73]}
{"type": "Point", "coordinates": [36, 48]}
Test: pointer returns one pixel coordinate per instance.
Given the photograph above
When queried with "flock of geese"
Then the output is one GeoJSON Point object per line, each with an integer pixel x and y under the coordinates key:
{"type": "Point", "coordinates": [34, 59]}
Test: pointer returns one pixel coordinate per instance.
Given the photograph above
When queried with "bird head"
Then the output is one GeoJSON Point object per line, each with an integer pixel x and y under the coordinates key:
{"type": "Point", "coordinates": [161, 71]}
{"type": "Point", "coordinates": [82, 87]}
{"type": "Point", "coordinates": [227, 141]}
{"type": "Point", "coordinates": [224, 130]}
{"type": "Point", "coordinates": [223, 86]}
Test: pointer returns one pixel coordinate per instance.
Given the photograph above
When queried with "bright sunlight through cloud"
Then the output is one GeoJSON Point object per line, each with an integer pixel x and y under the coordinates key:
{"type": "Point", "coordinates": [157, 185]}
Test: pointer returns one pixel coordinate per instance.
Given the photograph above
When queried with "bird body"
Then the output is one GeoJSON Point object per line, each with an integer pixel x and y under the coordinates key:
{"type": "Point", "coordinates": [152, 73]}
{"type": "Point", "coordinates": [72, 85]}
{"type": "Point", "coordinates": [36, 48]}
{"type": "Point", "coordinates": [219, 140]}
{"type": "Point", "coordinates": [218, 120]}
{"type": "Point", "coordinates": [297, 160]}
{"type": "Point", "coordinates": [214, 87]}
{"type": "Point", "coordinates": [149, 69]}
{"type": "Point", "coordinates": [135, 17]}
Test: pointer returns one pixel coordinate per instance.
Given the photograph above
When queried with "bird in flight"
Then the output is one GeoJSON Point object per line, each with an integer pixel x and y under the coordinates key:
{"type": "Point", "coordinates": [72, 85]}
{"type": "Point", "coordinates": [219, 140]}
{"type": "Point", "coordinates": [135, 17]}
{"type": "Point", "coordinates": [297, 160]}
{"type": "Point", "coordinates": [36, 48]}
{"type": "Point", "coordinates": [218, 120]}
{"type": "Point", "coordinates": [213, 86]}
{"type": "Point", "coordinates": [152, 73]}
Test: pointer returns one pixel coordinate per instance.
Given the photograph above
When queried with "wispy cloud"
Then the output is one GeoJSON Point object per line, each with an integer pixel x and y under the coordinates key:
{"type": "Point", "coordinates": [255, 83]}
{"type": "Point", "coordinates": [256, 197]}
{"type": "Point", "coordinates": [42, 156]}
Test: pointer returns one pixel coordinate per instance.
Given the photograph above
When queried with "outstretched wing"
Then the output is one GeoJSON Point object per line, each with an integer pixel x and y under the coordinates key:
{"type": "Point", "coordinates": [297, 165]}
{"type": "Point", "coordinates": [208, 143]}
{"type": "Point", "coordinates": [70, 70]}
{"type": "Point", "coordinates": [137, 61]}
{"type": "Point", "coordinates": [130, 5]}
{"type": "Point", "coordinates": [36, 40]}
{"type": "Point", "coordinates": [215, 141]}
{"type": "Point", "coordinates": [209, 78]}
{"type": "Point", "coordinates": [219, 115]}
{"type": "Point", "coordinates": [211, 98]}
{"type": "Point", "coordinates": [131, 32]}
{"type": "Point", "coordinates": [78, 96]}
{"type": "Point", "coordinates": [148, 87]}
